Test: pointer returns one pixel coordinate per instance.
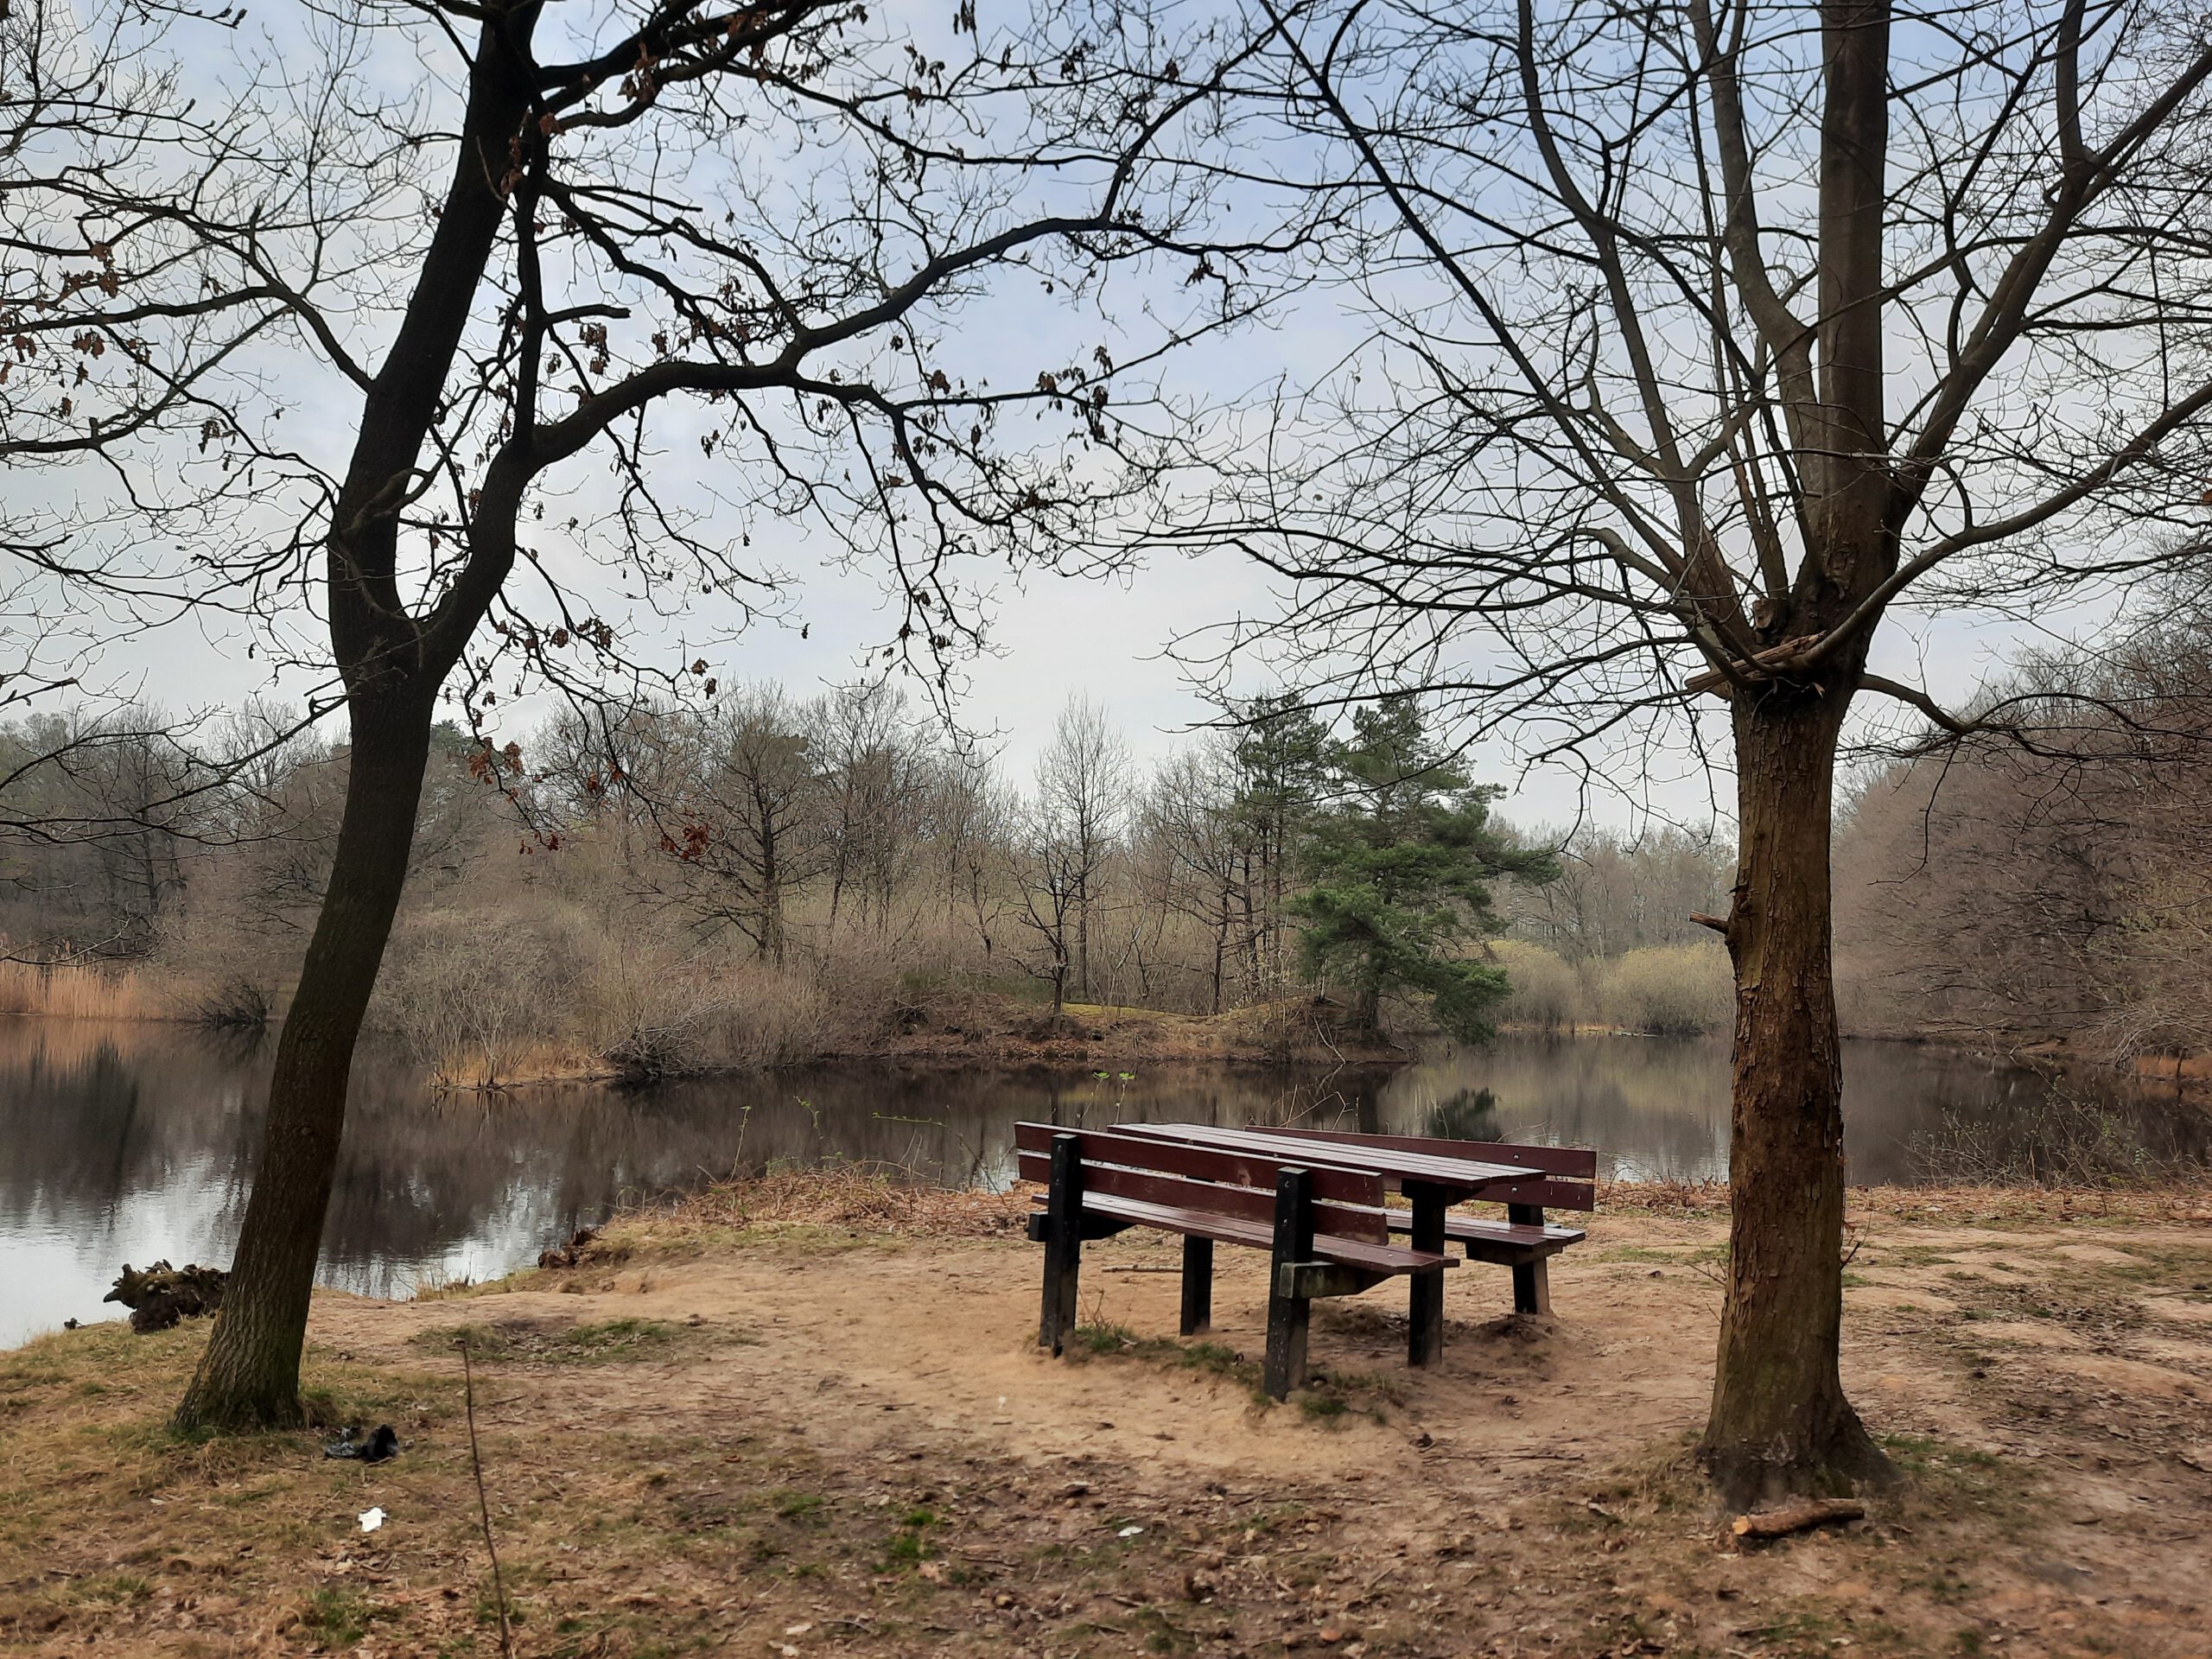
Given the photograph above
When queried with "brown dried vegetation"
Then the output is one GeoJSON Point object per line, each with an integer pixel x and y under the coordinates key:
{"type": "Point", "coordinates": [855, 1449]}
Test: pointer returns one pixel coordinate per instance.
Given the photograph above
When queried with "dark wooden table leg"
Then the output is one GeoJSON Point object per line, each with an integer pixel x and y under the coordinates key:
{"type": "Point", "coordinates": [1288, 1315]}
{"type": "Point", "coordinates": [1063, 1244]}
{"type": "Point", "coordinates": [1532, 1287]}
{"type": "Point", "coordinates": [1198, 1285]}
{"type": "Point", "coordinates": [1425, 1298]}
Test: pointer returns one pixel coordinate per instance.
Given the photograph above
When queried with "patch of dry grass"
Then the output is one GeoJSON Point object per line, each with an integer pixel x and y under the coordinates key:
{"type": "Point", "coordinates": [554, 1342]}
{"type": "Point", "coordinates": [856, 1198]}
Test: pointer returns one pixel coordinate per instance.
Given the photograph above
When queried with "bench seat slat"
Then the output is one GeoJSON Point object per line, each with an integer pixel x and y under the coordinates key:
{"type": "Point", "coordinates": [1512, 1234]}
{"type": "Point", "coordinates": [1506, 1232]}
{"type": "Point", "coordinates": [1469, 1228]}
{"type": "Point", "coordinates": [1233, 1230]}
{"type": "Point", "coordinates": [1238, 1167]}
{"type": "Point", "coordinates": [1244, 1202]}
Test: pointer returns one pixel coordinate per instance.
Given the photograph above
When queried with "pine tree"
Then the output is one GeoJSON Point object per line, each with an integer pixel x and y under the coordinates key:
{"type": "Point", "coordinates": [1402, 866]}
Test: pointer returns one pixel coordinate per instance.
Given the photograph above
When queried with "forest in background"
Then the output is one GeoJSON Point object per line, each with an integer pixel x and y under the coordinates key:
{"type": "Point", "coordinates": [2045, 879]}
{"type": "Point", "coordinates": [776, 878]}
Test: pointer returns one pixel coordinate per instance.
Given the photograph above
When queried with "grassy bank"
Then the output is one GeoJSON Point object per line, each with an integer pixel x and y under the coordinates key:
{"type": "Point", "coordinates": [806, 1416]}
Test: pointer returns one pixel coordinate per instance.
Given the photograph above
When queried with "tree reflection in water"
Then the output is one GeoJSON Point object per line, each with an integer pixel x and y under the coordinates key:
{"type": "Point", "coordinates": [129, 1142]}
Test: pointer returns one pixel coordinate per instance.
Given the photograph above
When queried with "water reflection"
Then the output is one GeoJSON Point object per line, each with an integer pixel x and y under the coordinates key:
{"type": "Point", "coordinates": [125, 1143]}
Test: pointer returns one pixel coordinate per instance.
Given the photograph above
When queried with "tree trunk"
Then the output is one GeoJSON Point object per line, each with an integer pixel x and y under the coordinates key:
{"type": "Point", "coordinates": [1083, 940]}
{"type": "Point", "coordinates": [1367, 1006]}
{"type": "Point", "coordinates": [1780, 1423]}
{"type": "Point", "coordinates": [249, 1375]}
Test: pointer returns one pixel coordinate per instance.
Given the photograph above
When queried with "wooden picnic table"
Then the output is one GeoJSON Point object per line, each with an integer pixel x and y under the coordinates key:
{"type": "Point", "coordinates": [1431, 1184]}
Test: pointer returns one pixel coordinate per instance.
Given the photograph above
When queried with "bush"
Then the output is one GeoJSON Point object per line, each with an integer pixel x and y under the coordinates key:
{"type": "Point", "coordinates": [1670, 990]}
{"type": "Point", "coordinates": [476, 994]}
{"type": "Point", "coordinates": [1548, 991]}
{"type": "Point", "coordinates": [652, 1007]}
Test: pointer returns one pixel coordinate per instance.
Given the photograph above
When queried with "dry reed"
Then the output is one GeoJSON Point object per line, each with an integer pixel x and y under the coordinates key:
{"type": "Point", "coordinates": [78, 990]}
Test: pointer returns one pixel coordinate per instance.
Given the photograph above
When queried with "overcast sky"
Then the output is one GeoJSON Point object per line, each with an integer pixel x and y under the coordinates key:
{"type": "Point", "coordinates": [1052, 637]}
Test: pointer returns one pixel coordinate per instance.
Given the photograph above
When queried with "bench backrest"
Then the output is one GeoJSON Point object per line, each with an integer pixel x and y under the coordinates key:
{"type": "Point", "coordinates": [1346, 1204]}
{"type": "Point", "coordinates": [1559, 1177]}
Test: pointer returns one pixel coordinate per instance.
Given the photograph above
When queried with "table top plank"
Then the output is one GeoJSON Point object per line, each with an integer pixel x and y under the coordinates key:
{"type": "Point", "coordinates": [1391, 1164]}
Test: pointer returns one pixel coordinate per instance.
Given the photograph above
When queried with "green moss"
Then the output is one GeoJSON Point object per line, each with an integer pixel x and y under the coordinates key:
{"type": "Point", "coordinates": [908, 1549]}
{"type": "Point", "coordinates": [337, 1618]}
{"type": "Point", "coordinates": [796, 1506]}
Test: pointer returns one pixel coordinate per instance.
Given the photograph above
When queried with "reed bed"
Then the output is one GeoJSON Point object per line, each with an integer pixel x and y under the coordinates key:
{"type": "Point", "coordinates": [79, 990]}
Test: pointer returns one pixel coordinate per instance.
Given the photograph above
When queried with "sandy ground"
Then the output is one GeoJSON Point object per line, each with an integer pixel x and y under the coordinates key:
{"type": "Point", "coordinates": [845, 1440]}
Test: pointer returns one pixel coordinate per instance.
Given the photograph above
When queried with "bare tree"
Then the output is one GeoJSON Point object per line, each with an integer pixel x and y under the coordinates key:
{"type": "Point", "coordinates": [973, 818]}
{"type": "Point", "coordinates": [876, 778]}
{"type": "Point", "coordinates": [752, 820]}
{"type": "Point", "coordinates": [130, 317]}
{"type": "Point", "coordinates": [1614, 895]}
{"type": "Point", "coordinates": [2049, 881]}
{"type": "Point", "coordinates": [515, 277]}
{"type": "Point", "coordinates": [1201, 858]}
{"type": "Point", "coordinates": [1705, 337]}
{"type": "Point", "coordinates": [1050, 879]}
{"type": "Point", "coordinates": [1084, 787]}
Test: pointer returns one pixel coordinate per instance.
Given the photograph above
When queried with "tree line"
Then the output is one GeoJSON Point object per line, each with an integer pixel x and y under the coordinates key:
{"type": "Point", "coordinates": [847, 843]}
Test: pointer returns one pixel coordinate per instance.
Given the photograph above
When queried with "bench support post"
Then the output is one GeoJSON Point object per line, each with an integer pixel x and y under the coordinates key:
{"type": "Point", "coordinates": [1288, 1315]}
{"type": "Point", "coordinates": [1532, 1283]}
{"type": "Point", "coordinates": [1198, 1285]}
{"type": "Point", "coordinates": [1425, 1295]}
{"type": "Point", "coordinates": [1062, 1242]}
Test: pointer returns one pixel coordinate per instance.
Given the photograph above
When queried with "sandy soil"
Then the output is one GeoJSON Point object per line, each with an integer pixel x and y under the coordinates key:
{"type": "Point", "coordinates": [844, 1440]}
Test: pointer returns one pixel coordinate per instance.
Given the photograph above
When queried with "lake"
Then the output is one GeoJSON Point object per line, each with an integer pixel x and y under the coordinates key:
{"type": "Point", "coordinates": [127, 1143]}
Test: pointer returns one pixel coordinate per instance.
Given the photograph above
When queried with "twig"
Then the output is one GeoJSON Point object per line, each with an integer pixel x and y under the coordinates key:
{"type": "Point", "coordinates": [483, 1503]}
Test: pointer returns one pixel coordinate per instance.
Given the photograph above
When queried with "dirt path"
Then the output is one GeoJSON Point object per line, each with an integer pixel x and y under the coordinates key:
{"type": "Point", "coordinates": [800, 1439]}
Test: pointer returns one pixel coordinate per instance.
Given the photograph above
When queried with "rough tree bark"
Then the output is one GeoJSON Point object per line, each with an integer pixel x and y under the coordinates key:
{"type": "Point", "coordinates": [1779, 1420]}
{"type": "Point", "coordinates": [249, 1375]}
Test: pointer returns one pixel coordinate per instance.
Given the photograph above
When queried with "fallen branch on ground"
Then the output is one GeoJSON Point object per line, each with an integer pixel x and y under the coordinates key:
{"type": "Point", "coordinates": [1798, 1517]}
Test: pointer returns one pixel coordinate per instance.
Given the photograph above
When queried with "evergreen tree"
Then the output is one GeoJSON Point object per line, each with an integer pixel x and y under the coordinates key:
{"type": "Point", "coordinates": [1402, 866]}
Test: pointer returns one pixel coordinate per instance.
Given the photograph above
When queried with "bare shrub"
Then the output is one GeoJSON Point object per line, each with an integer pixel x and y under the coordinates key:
{"type": "Point", "coordinates": [653, 1007]}
{"type": "Point", "coordinates": [471, 992]}
{"type": "Point", "coordinates": [1548, 993]}
{"type": "Point", "coordinates": [772, 1017]}
{"type": "Point", "coordinates": [649, 1008]}
{"type": "Point", "coordinates": [238, 1003]}
{"type": "Point", "coordinates": [1670, 990]}
{"type": "Point", "coordinates": [2069, 1140]}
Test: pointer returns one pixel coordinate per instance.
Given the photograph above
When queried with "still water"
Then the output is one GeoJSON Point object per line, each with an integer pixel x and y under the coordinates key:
{"type": "Point", "coordinates": [126, 1143]}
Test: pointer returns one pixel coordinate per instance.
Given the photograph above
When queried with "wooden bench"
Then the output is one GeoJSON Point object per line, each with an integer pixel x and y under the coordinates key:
{"type": "Point", "coordinates": [1325, 1229]}
{"type": "Point", "coordinates": [1559, 1178]}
